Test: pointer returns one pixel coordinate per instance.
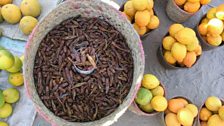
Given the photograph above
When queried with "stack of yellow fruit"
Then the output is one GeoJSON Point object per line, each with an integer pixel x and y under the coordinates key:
{"type": "Point", "coordinates": [180, 113]}
{"type": "Point", "coordinates": [212, 113]}
{"type": "Point", "coordinates": [181, 47]}
{"type": "Point", "coordinates": [12, 14]}
{"type": "Point", "coordinates": [191, 6]}
{"type": "Point", "coordinates": [150, 96]}
{"type": "Point", "coordinates": [7, 98]}
{"type": "Point", "coordinates": [211, 27]}
{"type": "Point", "coordinates": [141, 14]}
{"type": "Point", "coordinates": [13, 65]}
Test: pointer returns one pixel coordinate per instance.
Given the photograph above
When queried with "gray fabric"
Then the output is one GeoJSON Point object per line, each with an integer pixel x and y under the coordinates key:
{"type": "Point", "coordinates": [13, 31]}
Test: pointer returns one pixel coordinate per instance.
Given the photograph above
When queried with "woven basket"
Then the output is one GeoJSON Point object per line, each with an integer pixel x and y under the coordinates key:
{"type": "Point", "coordinates": [135, 109]}
{"type": "Point", "coordinates": [85, 8]}
{"type": "Point", "coordinates": [190, 102]}
{"type": "Point", "coordinates": [175, 13]}
{"type": "Point", "coordinates": [198, 119]}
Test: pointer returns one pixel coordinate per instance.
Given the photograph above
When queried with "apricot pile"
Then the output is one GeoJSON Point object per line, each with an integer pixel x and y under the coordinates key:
{"type": "Point", "coordinates": [180, 112]}
{"type": "Point", "coordinates": [181, 46]}
{"type": "Point", "coordinates": [212, 113]}
{"type": "Point", "coordinates": [211, 27]}
{"type": "Point", "coordinates": [151, 96]}
{"type": "Point", "coordinates": [191, 6]}
{"type": "Point", "coordinates": [141, 14]}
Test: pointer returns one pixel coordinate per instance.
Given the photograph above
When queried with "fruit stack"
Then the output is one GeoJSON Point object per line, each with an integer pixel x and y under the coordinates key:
{"type": "Point", "coordinates": [180, 112]}
{"type": "Point", "coordinates": [191, 6]}
{"type": "Point", "coordinates": [13, 65]}
{"type": "Point", "coordinates": [211, 27]}
{"type": "Point", "coordinates": [7, 98]}
{"type": "Point", "coordinates": [212, 113]}
{"type": "Point", "coordinates": [181, 46]}
{"type": "Point", "coordinates": [12, 14]}
{"type": "Point", "coordinates": [141, 14]}
{"type": "Point", "coordinates": [151, 96]}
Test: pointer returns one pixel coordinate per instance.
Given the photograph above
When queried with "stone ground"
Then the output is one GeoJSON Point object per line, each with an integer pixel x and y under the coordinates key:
{"type": "Point", "coordinates": [204, 79]}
